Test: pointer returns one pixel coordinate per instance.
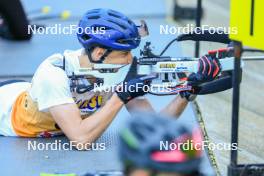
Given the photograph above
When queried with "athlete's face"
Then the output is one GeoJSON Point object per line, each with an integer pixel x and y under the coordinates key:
{"type": "Point", "coordinates": [119, 57]}
{"type": "Point", "coordinates": [115, 57]}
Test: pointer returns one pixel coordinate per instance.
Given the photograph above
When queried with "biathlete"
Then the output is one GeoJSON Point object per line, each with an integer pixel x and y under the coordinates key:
{"type": "Point", "coordinates": [51, 104]}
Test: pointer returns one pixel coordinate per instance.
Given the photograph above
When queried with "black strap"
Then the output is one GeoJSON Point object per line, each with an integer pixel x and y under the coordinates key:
{"type": "Point", "coordinates": [132, 73]}
{"type": "Point", "coordinates": [63, 63]}
{"type": "Point", "coordinates": [218, 85]}
{"type": "Point", "coordinates": [10, 82]}
{"type": "Point", "coordinates": [108, 51]}
{"type": "Point", "coordinates": [102, 58]}
{"type": "Point", "coordinates": [206, 35]}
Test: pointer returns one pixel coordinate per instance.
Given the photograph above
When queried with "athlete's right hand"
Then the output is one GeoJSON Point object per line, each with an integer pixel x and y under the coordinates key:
{"type": "Point", "coordinates": [208, 69]}
{"type": "Point", "coordinates": [133, 88]}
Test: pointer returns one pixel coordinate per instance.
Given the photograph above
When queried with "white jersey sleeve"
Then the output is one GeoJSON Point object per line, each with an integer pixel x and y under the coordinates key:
{"type": "Point", "coordinates": [50, 86]}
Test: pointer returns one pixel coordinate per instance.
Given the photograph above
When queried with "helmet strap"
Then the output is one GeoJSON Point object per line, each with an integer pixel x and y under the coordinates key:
{"type": "Point", "coordinates": [89, 54]}
{"type": "Point", "coordinates": [102, 58]}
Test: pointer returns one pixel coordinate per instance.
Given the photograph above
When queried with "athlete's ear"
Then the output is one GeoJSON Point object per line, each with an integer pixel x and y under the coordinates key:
{"type": "Point", "coordinates": [97, 53]}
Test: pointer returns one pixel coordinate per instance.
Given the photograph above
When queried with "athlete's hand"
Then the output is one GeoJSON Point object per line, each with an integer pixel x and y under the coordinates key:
{"type": "Point", "coordinates": [208, 69]}
{"type": "Point", "coordinates": [133, 88]}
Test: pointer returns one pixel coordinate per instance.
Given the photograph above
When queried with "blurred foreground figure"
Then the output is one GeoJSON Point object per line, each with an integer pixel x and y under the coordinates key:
{"type": "Point", "coordinates": [13, 21]}
{"type": "Point", "coordinates": [153, 145]}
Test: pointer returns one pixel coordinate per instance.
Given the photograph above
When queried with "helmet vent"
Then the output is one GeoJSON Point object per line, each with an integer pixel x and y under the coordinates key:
{"type": "Point", "coordinates": [120, 25]}
{"type": "Point", "coordinates": [85, 37]}
{"type": "Point", "coordinates": [139, 135]}
{"type": "Point", "coordinates": [130, 22]}
{"type": "Point", "coordinates": [94, 17]}
{"type": "Point", "coordinates": [114, 15]}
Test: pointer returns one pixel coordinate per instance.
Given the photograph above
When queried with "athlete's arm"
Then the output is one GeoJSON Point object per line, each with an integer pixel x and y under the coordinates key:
{"type": "Point", "coordinates": [175, 107]}
{"type": "Point", "coordinates": [87, 130]}
{"type": "Point", "coordinates": [139, 105]}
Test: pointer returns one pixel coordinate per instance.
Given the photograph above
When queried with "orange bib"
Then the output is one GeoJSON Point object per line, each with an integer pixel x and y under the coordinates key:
{"type": "Point", "coordinates": [28, 121]}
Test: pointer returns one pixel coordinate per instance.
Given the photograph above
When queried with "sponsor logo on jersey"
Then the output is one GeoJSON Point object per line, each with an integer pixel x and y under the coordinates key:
{"type": "Point", "coordinates": [89, 105]}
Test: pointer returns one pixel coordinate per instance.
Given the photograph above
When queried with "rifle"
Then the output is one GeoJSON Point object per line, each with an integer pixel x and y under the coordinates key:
{"type": "Point", "coordinates": [168, 71]}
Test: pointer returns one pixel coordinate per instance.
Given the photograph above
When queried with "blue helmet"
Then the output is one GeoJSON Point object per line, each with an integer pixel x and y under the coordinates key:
{"type": "Point", "coordinates": [118, 31]}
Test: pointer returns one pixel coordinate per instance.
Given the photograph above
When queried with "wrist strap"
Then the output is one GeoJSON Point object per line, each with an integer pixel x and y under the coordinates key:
{"type": "Point", "coordinates": [124, 96]}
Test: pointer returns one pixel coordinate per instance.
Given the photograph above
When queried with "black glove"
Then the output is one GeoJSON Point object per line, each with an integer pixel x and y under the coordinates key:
{"type": "Point", "coordinates": [208, 69]}
{"type": "Point", "coordinates": [188, 95]}
{"type": "Point", "coordinates": [136, 87]}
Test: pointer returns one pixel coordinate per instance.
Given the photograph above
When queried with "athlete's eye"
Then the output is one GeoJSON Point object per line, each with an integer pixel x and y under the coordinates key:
{"type": "Point", "coordinates": [125, 53]}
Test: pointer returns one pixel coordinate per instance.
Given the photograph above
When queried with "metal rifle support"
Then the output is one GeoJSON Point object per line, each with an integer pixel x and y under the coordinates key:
{"type": "Point", "coordinates": [235, 103]}
{"type": "Point", "coordinates": [235, 169]}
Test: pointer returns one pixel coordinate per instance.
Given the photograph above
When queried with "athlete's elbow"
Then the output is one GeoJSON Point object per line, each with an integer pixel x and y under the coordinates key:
{"type": "Point", "coordinates": [82, 143]}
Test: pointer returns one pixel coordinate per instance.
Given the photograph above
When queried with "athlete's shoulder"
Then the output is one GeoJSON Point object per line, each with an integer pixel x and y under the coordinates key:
{"type": "Point", "coordinates": [73, 53]}
{"type": "Point", "coordinates": [51, 69]}
{"type": "Point", "coordinates": [57, 58]}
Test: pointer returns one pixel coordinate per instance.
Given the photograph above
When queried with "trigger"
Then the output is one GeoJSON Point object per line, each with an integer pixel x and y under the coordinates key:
{"type": "Point", "coordinates": [182, 76]}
